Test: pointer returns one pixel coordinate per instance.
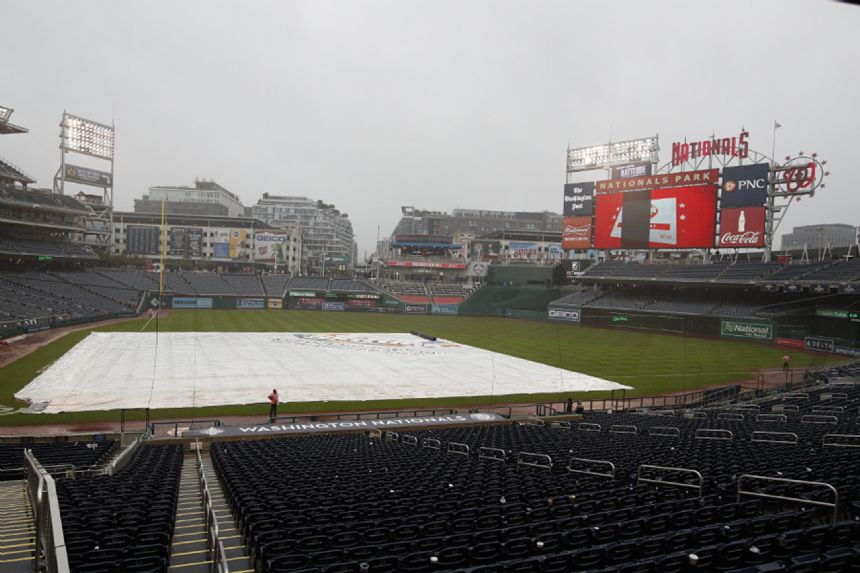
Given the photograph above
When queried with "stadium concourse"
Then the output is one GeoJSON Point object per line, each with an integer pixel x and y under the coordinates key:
{"type": "Point", "coordinates": [761, 482]}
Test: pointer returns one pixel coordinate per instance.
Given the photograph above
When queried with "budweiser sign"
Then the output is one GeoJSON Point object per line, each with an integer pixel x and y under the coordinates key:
{"type": "Point", "coordinates": [742, 227]}
{"type": "Point", "coordinates": [576, 233]}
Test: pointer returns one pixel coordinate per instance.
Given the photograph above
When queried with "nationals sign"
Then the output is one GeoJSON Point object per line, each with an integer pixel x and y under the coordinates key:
{"type": "Point", "coordinates": [706, 176]}
{"type": "Point", "coordinates": [742, 227]}
{"type": "Point", "coordinates": [683, 151]}
{"type": "Point", "coordinates": [576, 233]}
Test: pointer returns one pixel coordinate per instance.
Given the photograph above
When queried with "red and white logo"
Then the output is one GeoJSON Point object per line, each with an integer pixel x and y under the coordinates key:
{"type": "Point", "coordinates": [576, 233]}
{"type": "Point", "coordinates": [742, 227]}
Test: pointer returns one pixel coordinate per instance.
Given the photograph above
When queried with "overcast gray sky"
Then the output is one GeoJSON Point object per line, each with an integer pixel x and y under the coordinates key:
{"type": "Point", "coordinates": [436, 104]}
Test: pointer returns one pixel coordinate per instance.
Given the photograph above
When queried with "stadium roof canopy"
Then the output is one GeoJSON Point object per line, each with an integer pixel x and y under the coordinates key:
{"type": "Point", "coordinates": [9, 172]}
{"type": "Point", "coordinates": [524, 235]}
{"type": "Point", "coordinates": [11, 128]}
{"type": "Point", "coordinates": [202, 220]}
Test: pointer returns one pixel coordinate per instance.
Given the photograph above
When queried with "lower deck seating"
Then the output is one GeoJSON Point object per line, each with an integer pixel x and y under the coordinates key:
{"type": "Point", "coordinates": [124, 522]}
{"type": "Point", "coordinates": [328, 504]}
{"type": "Point", "coordinates": [54, 457]}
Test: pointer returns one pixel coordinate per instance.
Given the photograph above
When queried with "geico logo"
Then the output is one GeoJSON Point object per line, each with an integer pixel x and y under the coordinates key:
{"type": "Point", "coordinates": [752, 183]}
{"type": "Point", "coordinates": [571, 314]}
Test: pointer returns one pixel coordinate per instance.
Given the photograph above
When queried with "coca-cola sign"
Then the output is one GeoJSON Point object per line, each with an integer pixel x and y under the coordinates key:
{"type": "Point", "coordinates": [742, 228]}
{"type": "Point", "coordinates": [576, 233]}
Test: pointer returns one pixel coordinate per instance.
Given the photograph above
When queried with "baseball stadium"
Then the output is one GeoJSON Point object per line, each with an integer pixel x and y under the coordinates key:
{"type": "Point", "coordinates": [640, 382]}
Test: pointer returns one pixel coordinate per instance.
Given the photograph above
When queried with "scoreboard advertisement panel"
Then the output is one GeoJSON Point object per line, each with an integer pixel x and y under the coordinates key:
{"type": "Point", "coordinates": [668, 218]}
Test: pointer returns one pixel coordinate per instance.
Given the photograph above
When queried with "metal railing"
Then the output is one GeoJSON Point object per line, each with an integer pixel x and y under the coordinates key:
{"type": "Point", "coordinates": [819, 419]}
{"type": "Point", "coordinates": [713, 434]}
{"type": "Point", "coordinates": [431, 443]}
{"type": "Point", "coordinates": [153, 426]}
{"type": "Point", "coordinates": [828, 440]}
{"type": "Point", "coordinates": [214, 546]}
{"type": "Point", "coordinates": [623, 429]}
{"type": "Point", "coordinates": [771, 418]}
{"type": "Point", "coordinates": [774, 437]}
{"type": "Point", "coordinates": [534, 460]}
{"type": "Point", "coordinates": [50, 547]}
{"type": "Point", "coordinates": [659, 481]}
{"type": "Point", "coordinates": [588, 427]}
{"type": "Point", "coordinates": [119, 462]}
{"type": "Point", "coordinates": [800, 500]}
{"type": "Point", "coordinates": [457, 448]}
{"type": "Point", "coordinates": [670, 431]}
{"type": "Point", "coordinates": [487, 453]}
{"type": "Point", "coordinates": [588, 465]}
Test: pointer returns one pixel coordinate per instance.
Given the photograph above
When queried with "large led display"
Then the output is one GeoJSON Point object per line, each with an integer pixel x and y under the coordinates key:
{"type": "Point", "coordinates": [671, 218]}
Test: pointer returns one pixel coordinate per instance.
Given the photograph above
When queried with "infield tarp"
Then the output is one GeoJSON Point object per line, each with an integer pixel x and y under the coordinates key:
{"type": "Point", "coordinates": [112, 370]}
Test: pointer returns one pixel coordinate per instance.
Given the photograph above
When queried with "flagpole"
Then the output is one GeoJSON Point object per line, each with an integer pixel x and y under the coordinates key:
{"type": "Point", "coordinates": [773, 146]}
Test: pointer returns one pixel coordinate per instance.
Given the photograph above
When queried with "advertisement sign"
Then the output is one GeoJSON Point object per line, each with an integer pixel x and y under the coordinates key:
{"type": "Point", "coordinates": [177, 242]}
{"type": "Point", "coordinates": [191, 302]}
{"type": "Point", "coordinates": [416, 308]}
{"type": "Point", "coordinates": [361, 303]}
{"type": "Point", "coordinates": [564, 313]}
{"type": "Point", "coordinates": [818, 344]}
{"type": "Point", "coordinates": [221, 250]}
{"type": "Point", "coordinates": [745, 186]}
{"type": "Point", "coordinates": [239, 242]}
{"type": "Point", "coordinates": [681, 179]}
{"type": "Point", "coordinates": [309, 302]}
{"type": "Point", "coordinates": [754, 330]}
{"type": "Point", "coordinates": [485, 250]}
{"type": "Point", "coordinates": [682, 217]}
{"type": "Point", "coordinates": [790, 342]}
{"type": "Point", "coordinates": [186, 242]}
{"type": "Point", "coordinates": [274, 303]}
{"type": "Point", "coordinates": [270, 246]}
{"type": "Point", "coordinates": [523, 249]}
{"type": "Point", "coordinates": [334, 306]}
{"type": "Point", "coordinates": [829, 313]}
{"type": "Point", "coordinates": [742, 228]}
{"type": "Point", "coordinates": [425, 265]}
{"type": "Point", "coordinates": [304, 293]}
{"type": "Point", "coordinates": [576, 233]}
{"type": "Point", "coordinates": [364, 425]}
{"type": "Point", "coordinates": [631, 170]}
{"type": "Point", "coordinates": [251, 303]}
{"type": "Point", "coordinates": [143, 240]}
{"type": "Point", "coordinates": [445, 309]}
{"type": "Point", "coordinates": [87, 176]}
{"type": "Point", "coordinates": [478, 269]}
{"type": "Point", "coordinates": [194, 242]}
{"type": "Point", "coordinates": [579, 199]}
{"type": "Point", "coordinates": [555, 251]}
{"type": "Point", "coordinates": [846, 351]}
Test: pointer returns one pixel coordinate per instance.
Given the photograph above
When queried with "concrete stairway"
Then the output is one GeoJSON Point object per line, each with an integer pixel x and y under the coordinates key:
{"type": "Point", "coordinates": [17, 530]}
{"type": "Point", "coordinates": [188, 552]}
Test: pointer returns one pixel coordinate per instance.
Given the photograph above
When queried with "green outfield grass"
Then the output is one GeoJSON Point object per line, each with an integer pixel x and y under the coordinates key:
{"type": "Point", "coordinates": [652, 363]}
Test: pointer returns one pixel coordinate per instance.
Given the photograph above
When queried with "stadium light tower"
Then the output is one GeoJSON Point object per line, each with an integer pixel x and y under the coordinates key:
{"type": "Point", "coordinates": [97, 140]}
{"type": "Point", "coordinates": [613, 154]}
{"type": "Point", "coordinates": [5, 114]}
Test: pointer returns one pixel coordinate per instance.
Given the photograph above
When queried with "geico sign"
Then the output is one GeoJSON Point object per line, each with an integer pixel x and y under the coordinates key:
{"type": "Point", "coordinates": [564, 314]}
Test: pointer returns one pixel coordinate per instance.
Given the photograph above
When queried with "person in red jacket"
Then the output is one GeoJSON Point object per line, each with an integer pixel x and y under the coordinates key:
{"type": "Point", "coordinates": [273, 404]}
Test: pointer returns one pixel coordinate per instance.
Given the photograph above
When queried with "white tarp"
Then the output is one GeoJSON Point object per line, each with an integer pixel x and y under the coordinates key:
{"type": "Point", "coordinates": [111, 370]}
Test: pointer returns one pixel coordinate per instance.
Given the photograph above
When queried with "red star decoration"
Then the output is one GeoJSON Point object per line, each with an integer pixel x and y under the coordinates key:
{"type": "Point", "coordinates": [814, 155]}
